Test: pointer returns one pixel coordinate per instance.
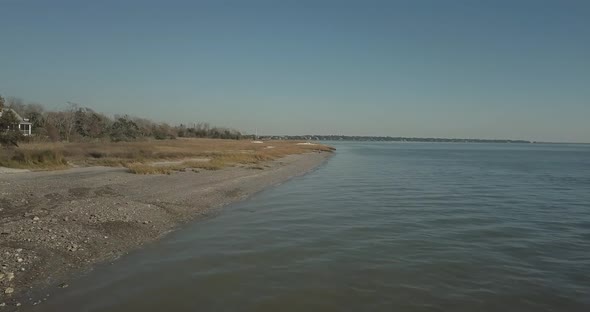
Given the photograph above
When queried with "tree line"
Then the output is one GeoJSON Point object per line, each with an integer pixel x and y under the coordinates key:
{"type": "Point", "coordinates": [78, 124]}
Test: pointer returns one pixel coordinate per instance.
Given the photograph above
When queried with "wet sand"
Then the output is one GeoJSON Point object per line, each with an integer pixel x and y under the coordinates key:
{"type": "Point", "coordinates": [54, 225]}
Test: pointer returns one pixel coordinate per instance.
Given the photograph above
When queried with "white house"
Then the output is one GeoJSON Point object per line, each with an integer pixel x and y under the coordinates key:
{"type": "Point", "coordinates": [24, 125]}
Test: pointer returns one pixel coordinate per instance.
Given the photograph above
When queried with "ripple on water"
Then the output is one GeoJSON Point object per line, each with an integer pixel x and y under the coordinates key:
{"type": "Point", "coordinates": [380, 227]}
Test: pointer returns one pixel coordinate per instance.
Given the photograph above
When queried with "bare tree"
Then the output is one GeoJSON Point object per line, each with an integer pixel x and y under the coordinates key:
{"type": "Point", "coordinates": [69, 120]}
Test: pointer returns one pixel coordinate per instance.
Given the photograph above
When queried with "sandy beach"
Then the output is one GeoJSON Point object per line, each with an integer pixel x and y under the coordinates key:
{"type": "Point", "coordinates": [56, 224]}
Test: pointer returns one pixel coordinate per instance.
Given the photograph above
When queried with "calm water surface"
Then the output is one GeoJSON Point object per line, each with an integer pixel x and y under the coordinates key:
{"type": "Point", "coordinates": [380, 227]}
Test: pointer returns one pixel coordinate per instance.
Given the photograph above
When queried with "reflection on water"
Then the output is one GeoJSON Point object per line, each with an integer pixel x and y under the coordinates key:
{"type": "Point", "coordinates": [380, 227]}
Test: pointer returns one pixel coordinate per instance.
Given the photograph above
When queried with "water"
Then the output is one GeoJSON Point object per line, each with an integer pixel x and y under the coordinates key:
{"type": "Point", "coordinates": [380, 227]}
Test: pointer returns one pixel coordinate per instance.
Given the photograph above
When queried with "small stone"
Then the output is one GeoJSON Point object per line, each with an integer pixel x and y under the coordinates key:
{"type": "Point", "coordinates": [18, 304]}
{"type": "Point", "coordinates": [19, 260]}
{"type": "Point", "coordinates": [65, 218]}
{"type": "Point", "coordinates": [10, 276]}
{"type": "Point", "coordinates": [22, 269]}
{"type": "Point", "coordinates": [63, 285]}
{"type": "Point", "coordinates": [35, 218]}
{"type": "Point", "coordinates": [9, 290]}
{"type": "Point", "coordinates": [2, 304]}
{"type": "Point", "coordinates": [19, 250]}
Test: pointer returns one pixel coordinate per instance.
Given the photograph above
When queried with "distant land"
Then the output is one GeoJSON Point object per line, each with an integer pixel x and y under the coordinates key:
{"type": "Point", "coordinates": [386, 139]}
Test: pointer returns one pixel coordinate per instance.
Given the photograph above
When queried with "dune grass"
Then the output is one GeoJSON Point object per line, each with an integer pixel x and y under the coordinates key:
{"type": "Point", "coordinates": [211, 154]}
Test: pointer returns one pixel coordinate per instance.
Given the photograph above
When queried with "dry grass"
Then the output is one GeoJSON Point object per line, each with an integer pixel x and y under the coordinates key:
{"type": "Point", "coordinates": [137, 156]}
{"type": "Point", "coordinates": [139, 168]}
{"type": "Point", "coordinates": [39, 159]}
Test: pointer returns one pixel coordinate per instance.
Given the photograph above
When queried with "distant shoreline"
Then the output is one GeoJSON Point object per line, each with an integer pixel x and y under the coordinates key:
{"type": "Point", "coordinates": [391, 139]}
{"type": "Point", "coordinates": [347, 138]}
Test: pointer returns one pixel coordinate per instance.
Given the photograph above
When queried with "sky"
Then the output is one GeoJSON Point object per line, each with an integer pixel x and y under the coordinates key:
{"type": "Point", "coordinates": [416, 68]}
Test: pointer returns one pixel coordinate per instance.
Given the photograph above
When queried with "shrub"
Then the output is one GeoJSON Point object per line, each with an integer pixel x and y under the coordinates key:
{"type": "Point", "coordinates": [124, 129]}
{"type": "Point", "coordinates": [97, 154]}
{"type": "Point", "coordinates": [10, 134]}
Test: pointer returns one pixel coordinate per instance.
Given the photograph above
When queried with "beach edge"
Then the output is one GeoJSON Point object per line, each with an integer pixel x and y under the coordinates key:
{"type": "Point", "coordinates": [67, 222]}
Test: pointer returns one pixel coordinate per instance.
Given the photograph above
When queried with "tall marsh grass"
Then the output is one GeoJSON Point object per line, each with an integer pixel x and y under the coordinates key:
{"type": "Point", "coordinates": [137, 156]}
{"type": "Point", "coordinates": [33, 159]}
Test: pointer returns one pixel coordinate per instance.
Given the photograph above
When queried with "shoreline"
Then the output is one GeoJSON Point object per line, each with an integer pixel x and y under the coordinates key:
{"type": "Point", "coordinates": [56, 225]}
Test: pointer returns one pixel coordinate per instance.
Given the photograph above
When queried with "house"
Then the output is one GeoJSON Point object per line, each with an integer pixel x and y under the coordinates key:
{"type": "Point", "coordinates": [24, 125]}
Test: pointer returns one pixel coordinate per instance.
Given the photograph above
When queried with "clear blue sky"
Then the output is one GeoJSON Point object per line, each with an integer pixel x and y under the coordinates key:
{"type": "Point", "coordinates": [485, 69]}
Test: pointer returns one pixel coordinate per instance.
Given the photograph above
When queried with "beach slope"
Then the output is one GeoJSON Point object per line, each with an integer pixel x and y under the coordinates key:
{"type": "Point", "coordinates": [53, 224]}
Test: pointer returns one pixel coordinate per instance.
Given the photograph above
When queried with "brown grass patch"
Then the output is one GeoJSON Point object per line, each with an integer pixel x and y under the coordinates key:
{"type": "Point", "coordinates": [137, 156]}
{"type": "Point", "coordinates": [41, 159]}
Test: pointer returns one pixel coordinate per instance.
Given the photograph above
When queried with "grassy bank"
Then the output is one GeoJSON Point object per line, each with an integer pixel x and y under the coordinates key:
{"type": "Point", "coordinates": [148, 157]}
